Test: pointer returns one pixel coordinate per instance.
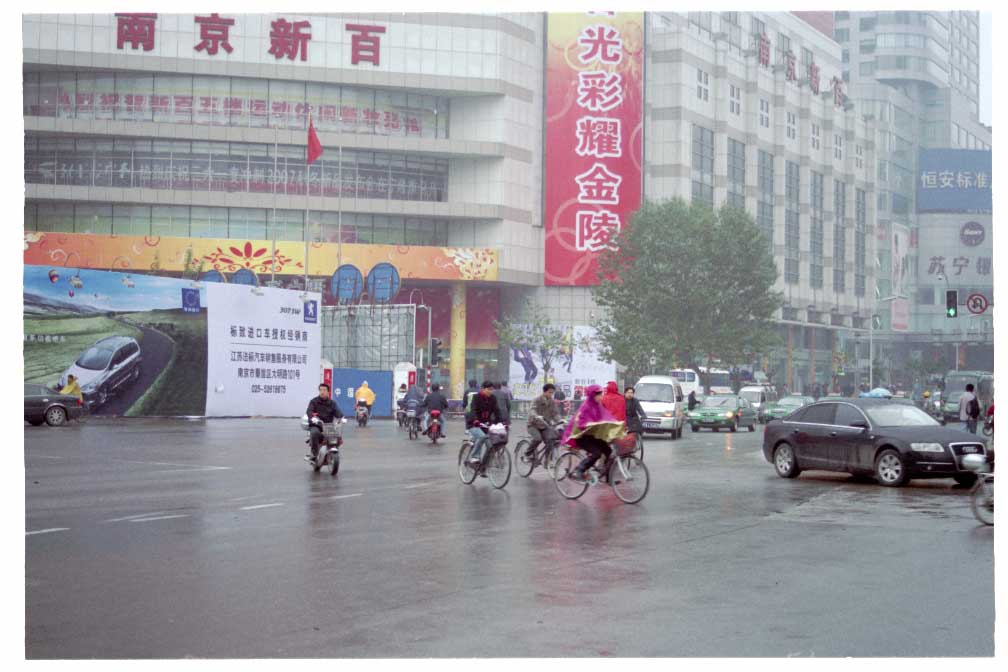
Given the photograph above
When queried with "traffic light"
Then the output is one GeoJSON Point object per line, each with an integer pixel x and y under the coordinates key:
{"type": "Point", "coordinates": [951, 303]}
{"type": "Point", "coordinates": [435, 351]}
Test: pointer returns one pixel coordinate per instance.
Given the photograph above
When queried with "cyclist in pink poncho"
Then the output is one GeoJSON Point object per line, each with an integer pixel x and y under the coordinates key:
{"type": "Point", "coordinates": [591, 411]}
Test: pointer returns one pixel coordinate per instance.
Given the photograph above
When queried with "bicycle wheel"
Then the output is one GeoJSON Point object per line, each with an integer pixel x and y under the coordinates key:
{"type": "Point", "coordinates": [629, 479]}
{"type": "Point", "coordinates": [499, 467]}
{"type": "Point", "coordinates": [549, 458]}
{"type": "Point", "coordinates": [639, 450]}
{"type": "Point", "coordinates": [982, 501]}
{"type": "Point", "coordinates": [466, 472]}
{"type": "Point", "coordinates": [523, 464]}
{"type": "Point", "coordinates": [569, 487]}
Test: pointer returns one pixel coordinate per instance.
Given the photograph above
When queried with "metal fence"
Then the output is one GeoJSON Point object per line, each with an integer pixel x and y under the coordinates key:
{"type": "Point", "coordinates": [374, 338]}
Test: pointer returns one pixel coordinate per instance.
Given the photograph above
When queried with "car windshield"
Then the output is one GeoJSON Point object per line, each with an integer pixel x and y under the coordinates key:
{"type": "Point", "coordinates": [751, 395]}
{"type": "Point", "coordinates": [791, 401]}
{"type": "Point", "coordinates": [654, 392]}
{"type": "Point", "coordinates": [717, 402]}
{"type": "Point", "coordinates": [95, 359]}
{"type": "Point", "coordinates": [899, 415]}
{"type": "Point", "coordinates": [717, 379]}
{"type": "Point", "coordinates": [686, 376]}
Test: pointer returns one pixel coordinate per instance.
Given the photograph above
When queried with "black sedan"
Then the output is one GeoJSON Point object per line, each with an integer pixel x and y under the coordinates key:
{"type": "Point", "coordinates": [42, 404]}
{"type": "Point", "coordinates": [893, 442]}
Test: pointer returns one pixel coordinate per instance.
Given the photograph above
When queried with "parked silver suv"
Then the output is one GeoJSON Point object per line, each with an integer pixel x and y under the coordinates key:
{"type": "Point", "coordinates": [105, 368]}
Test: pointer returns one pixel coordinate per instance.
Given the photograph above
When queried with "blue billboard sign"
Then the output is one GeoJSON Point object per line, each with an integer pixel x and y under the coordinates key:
{"type": "Point", "coordinates": [954, 180]}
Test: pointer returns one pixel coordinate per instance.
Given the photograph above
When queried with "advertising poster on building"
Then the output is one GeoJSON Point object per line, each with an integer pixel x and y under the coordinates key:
{"type": "Point", "coordinates": [265, 351]}
{"type": "Point", "coordinates": [594, 129]}
{"type": "Point", "coordinates": [900, 306]}
{"type": "Point", "coordinates": [571, 368]}
{"type": "Point", "coordinates": [954, 180]}
{"type": "Point", "coordinates": [136, 344]}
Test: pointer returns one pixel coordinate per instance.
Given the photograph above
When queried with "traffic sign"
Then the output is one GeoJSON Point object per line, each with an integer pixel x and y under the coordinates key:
{"type": "Point", "coordinates": [976, 303]}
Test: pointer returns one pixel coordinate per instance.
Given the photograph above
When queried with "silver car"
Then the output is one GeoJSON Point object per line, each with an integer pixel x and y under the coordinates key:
{"type": "Point", "coordinates": [105, 368]}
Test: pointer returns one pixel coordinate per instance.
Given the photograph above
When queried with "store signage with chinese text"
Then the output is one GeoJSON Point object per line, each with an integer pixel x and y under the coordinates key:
{"type": "Point", "coordinates": [594, 129]}
{"type": "Point", "coordinates": [954, 180]}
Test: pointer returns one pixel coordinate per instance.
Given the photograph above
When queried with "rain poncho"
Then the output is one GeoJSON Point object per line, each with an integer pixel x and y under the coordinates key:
{"type": "Point", "coordinates": [413, 399]}
{"type": "Point", "coordinates": [593, 419]}
{"type": "Point", "coordinates": [614, 402]}
{"type": "Point", "coordinates": [364, 392]}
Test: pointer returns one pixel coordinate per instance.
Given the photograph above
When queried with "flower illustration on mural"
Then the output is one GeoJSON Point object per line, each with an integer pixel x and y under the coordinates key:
{"type": "Point", "coordinates": [472, 264]}
{"type": "Point", "coordinates": [247, 257]}
{"type": "Point", "coordinates": [32, 237]}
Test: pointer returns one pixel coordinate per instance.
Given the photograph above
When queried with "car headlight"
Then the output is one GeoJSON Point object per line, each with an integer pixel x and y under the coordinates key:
{"type": "Point", "coordinates": [927, 447]}
{"type": "Point", "coordinates": [668, 415]}
{"type": "Point", "coordinates": [729, 414]}
{"type": "Point", "coordinates": [89, 387]}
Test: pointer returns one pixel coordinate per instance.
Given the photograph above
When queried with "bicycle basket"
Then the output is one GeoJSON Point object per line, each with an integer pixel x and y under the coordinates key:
{"type": "Point", "coordinates": [332, 431]}
{"type": "Point", "coordinates": [626, 445]}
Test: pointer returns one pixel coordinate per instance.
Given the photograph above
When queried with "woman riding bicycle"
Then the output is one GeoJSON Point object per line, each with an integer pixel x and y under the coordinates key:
{"type": "Point", "coordinates": [580, 433]}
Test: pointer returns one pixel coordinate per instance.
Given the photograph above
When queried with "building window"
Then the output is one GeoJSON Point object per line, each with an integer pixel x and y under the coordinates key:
{"type": "Point", "coordinates": [815, 137]}
{"type": "Point", "coordinates": [792, 226]}
{"type": "Point", "coordinates": [764, 113]}
{"type": "Point", "coordinates": [839, 236]}
{"type": "Point", "coordinates": [703, 85]}
{"type": "Point", "coordinates": [867, 68]}
{"type": "Point", "coordinates": [735, 99]}
{"type": "Point", "coordinates": [765, 204]}
{"type": "Point", "coordinates": [783, 47]}
{"type": "Point", "coordinates": [758, 28]}
{"type": "Point", "coordinates": [841, 34]}
{"type": "Point", "coordinates": [806, 57]}
{"type": "Point", "coordinates": [858, 156]}
{"type": "Point", "coordinates": [703, 165]}
{"type": "Point", "coordinates": [838, 147]}
{"type": "Point", "coordinates": [816, 231]}
{"type": "Point", "coordinates": [792, 125]}
{"type": "Point", "coordinates": [736, 174]}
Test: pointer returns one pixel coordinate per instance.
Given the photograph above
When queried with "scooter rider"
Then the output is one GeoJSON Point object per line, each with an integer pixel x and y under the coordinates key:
{"type": "Point", "coordinates": [324, 409]}
{"type": "Point", "coordinates": [435, 401]}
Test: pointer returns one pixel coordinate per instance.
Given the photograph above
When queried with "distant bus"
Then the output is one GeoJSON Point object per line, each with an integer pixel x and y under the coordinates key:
{"type": "Point", "coordinates": [717, 381]}
{"type": "Point", "coordinates": [688, 380]}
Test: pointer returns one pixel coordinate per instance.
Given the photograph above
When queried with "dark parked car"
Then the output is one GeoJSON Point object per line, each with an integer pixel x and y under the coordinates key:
{"type": "Point", "coordinates": [105, 368]}
{"type": "Point", "coordinates": [42, 404]}
{"type": "Point", "coordinates": [892, 441]}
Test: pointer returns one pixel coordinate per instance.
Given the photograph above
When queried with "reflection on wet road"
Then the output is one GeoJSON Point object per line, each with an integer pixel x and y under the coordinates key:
{"type": "Point", "coordinates": [158, 539]}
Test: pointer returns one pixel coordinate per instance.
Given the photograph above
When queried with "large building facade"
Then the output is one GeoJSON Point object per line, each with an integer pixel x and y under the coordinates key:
{"type": "Point", "coordinates": [194, 127]}
{"type": "Point", "coordinates": [917, 74]}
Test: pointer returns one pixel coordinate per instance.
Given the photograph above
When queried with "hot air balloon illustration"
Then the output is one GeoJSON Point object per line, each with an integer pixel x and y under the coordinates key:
{"type": "Point", "coordinates": [53, 276]}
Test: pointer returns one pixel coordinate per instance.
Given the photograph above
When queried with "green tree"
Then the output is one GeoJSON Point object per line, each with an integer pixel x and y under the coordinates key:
{"type": "Point", "coordinates": [687, 282]}
{"type": "Point", "coordinates": [530, 329]}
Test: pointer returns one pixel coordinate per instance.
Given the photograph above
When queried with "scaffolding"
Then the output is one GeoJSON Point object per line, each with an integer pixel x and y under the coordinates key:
{"type": "Point", "coordinates": [370, 337]}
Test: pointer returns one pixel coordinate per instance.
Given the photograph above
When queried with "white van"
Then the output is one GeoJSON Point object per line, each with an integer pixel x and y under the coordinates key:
{"type": "Point", "coordinates": [689, 380]}
{"type": "Point", "coordinates": [760, 396]}
{"type": "Point", "coordinates": [663, 400]}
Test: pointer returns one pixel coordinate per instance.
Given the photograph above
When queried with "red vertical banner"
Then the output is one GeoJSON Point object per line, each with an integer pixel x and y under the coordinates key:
{"type": "Point", "coordinates": [594, 138]}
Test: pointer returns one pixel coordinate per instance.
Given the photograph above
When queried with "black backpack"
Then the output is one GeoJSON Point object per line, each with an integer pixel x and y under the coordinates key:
{"type": "Point", "coordinates": [973, 408]}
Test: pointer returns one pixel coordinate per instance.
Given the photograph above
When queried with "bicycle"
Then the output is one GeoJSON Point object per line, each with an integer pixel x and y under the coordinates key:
{"type": "Point", "coordinates": [626, 474]}
{"type": "Point", "coordinates": [495, 462]}
{"type": "Point", "coordinates": [545, 454]}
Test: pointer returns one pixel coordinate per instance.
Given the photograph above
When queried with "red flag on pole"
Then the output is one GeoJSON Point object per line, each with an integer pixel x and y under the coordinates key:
{"type": "Point", "coordinates": [314, 146]}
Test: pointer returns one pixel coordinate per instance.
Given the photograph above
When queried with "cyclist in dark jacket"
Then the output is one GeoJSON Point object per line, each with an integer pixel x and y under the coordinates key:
{"type": "Point", "coordinates": [484, 410]}
{"type": "Point", "coordinates": [635, 415]}
{"type": "Point", "coordinates": [327, 411]}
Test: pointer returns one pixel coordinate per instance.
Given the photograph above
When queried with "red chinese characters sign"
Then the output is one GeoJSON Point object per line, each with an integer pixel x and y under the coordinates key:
{"type": "Point", "coordinates": [594, 126]}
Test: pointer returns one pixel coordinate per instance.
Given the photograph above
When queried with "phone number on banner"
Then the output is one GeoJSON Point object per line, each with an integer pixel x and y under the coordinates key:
{"type": "Point", "coordinates": [268, 389]}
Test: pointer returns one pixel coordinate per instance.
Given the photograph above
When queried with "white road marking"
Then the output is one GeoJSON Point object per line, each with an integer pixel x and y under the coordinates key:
{"type": "Point", "coordinates": [356, 494]}
{"type": "Point", "coordinates": [261, 506]}
{"type": "Point", "coordinates": [51, 529]}
{"type": "Point", "coordinates": [135, 515]}
{"type": "Point", "coordinates": [48, 457]}
{"type": "Point", "coordinates": [147, 520]}
{"type": "Point", "coordinates": [196, 467]}
{"type": "Point", "coordinates": [419, 485]}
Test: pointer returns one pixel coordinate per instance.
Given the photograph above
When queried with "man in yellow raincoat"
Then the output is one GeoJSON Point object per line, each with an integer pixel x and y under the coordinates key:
{"type": "Point", "coordinates": [364, 392]}
{"type": "Point", "coordinates": [72, 388]}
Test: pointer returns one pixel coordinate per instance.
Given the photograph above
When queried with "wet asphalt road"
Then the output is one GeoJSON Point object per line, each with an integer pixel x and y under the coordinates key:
{"type": "Point", "coordinates": [171, 539]}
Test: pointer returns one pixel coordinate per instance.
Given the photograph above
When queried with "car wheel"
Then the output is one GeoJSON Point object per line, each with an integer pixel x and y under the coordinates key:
{"type": "Point", "coordinates": [734, 427]}
{"type": "Point", "coordinates": [136, 375]}
{"type": "Point", "coordinates": [785, 462]}
{"type": "Point", "coordinates": [101, 397]}
{"type": "Point", "coordinates": [693, 428]}
{"type": "Point", "coordinates": [965, 479]}
{"type": "Point", "coordinates": [752, 428]}
{"type": "Point", "coordinates": [890, 468]}
{"type": "Point", "coordinates": [35, 422]}
{"type": "Point", "coordinates": [56, 416]}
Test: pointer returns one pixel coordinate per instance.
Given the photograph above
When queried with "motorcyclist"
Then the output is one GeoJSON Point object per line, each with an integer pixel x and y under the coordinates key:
{"type": "Point", "coordinates": [413, 400]}
{"type": "Point", "coordinates": [542, 419]}
{"type": "Point", "coordinates": [435, 401]}
{"type": "Point", "coordinates": [321, 409]}
{"type": "Point", "coordinates": [364, 392]}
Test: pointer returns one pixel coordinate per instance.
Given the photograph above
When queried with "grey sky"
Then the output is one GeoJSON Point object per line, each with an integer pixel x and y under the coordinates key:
{"type": "Point", "coordinates": [986, 49]}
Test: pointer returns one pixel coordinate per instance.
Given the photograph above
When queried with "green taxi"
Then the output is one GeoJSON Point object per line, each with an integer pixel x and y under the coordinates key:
{"type": "Point", "coordinates": [786, 406]}
{"type": "Point", "coordinates": [728, 411]}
